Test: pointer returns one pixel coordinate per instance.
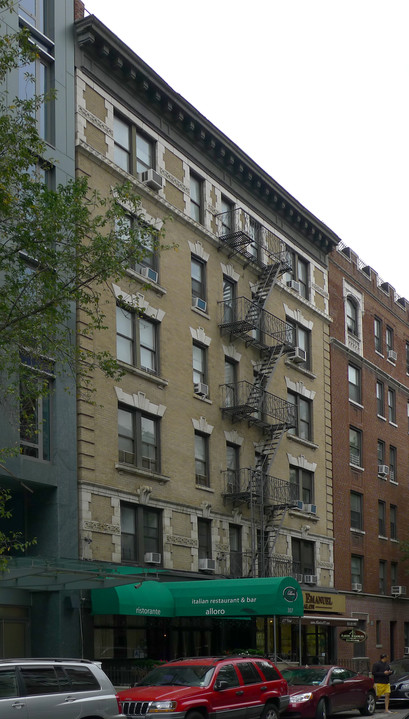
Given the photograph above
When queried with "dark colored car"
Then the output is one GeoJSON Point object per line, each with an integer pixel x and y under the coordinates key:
{"type": "Point", "coordinates": [237, 687]}
{"type": "Point", "coordinates": [318, 691]}
{"type": "Point", "coordinates": [400, 680]}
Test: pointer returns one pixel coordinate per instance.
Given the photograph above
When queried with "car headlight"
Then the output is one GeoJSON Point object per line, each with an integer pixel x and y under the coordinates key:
{"type": "Point", "coordinates": [299, 698]}
{"type": "Point", "coordinates": [165, 706]}
{"type": "Point", "coordinates": [404, 687]}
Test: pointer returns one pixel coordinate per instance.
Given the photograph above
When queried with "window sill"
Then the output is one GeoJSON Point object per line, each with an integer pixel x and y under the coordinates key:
{"type": "Point", "coordinates": [357, 531]}
{"type": "Point", "coordinates": [379, 416]}
{"type": "Point", "coordinates": [393, 424]}
{"type": "Point", "coordinates": [137, 471]}
{"type": "Point", "coordinates": [200, 312]}
{"type": "Point", "coordinates": [357, 467]}
{"type": "Point", "coordinates": [148, 284]}
{"type": "Point", "coordinates": [394, 481]}
{"type": "Point", "coordinates": [204, 488]}
{"type": "Point", "coordinates": [142, 373]}
{"type": "Point", "coordinates": [381, 536]}
{"type": "Point", "coordinates": [380, 354]}
{"type": "Point", "coordinates": [358, 405]}
{"type": "Point", "coordinates": [395, 541]}
{"type": "Point", "coordinates": [300, 440]}
{"type": "Point", "coordinates": [299, 367]}
{"type": "Point", "coordinates": [201, 398]}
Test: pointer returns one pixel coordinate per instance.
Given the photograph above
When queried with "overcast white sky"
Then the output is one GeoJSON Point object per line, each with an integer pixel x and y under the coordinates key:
{"type": "Point", "coordinates": [315, 91]}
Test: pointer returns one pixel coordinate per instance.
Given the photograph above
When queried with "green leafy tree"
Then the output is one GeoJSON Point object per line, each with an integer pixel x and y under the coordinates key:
{"type": "Point", "coordinates": [59, 250]}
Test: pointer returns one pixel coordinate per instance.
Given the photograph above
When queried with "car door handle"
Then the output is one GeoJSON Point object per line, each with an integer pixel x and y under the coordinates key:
{"type": "Point", "coordinates": [263, 689]}
{"type": "Point", "coordinates": [70, 699]}
{"type": "Point", "coordinates": [239, 693]}
{"type": "Point", "coordinates": [17, 705]}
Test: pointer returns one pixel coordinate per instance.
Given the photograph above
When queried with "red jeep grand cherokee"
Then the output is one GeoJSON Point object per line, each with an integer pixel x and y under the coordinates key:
{"type": "Point", "coordinates": [235, 687]}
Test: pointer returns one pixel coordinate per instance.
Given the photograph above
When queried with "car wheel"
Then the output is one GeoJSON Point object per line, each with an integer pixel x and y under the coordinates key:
{"type": "Point", "coordinates": [269, 712]}
{"type": "Point", "coordinates": [370, 704]}
{"type": "Point", "coordinates": [321, 711]}
{"type": "Point", "coordinates": [194, 715]}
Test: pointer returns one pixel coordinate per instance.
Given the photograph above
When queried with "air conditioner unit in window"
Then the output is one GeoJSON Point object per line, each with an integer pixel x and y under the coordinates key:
{"type": "Point", "coordinates": [311, 508]}
{"type": "Point", "coordinates": [406, 650]}
{"type": "Point", "coordinates": [299, 355]}
{"type": "Point", "coordinates": [152, 179]}
{"type": "Point", "coordinates": [392, 355]}
{"type": "Point", "coordinates": [294, 285]}
{"type": "Point", "coordinates": [398, 591]}
{"type": "Point", "coordinates": [299, 577]}
{"type": "Point", "coordinates": [310, 578]}
{"type": "Point", "coordinates": [152, 558]}
{"type": "Point", "coordinates": [356, 587]}
{"type": "Point", "coordinates": [207, 565]}
{"type": "Point", "coordinates": [200, 304]}
{"type": "Point", "coordinates": [201, 388]}
{"type": "Point", "coordinates": [383, 469]}
{"type": "Point", "coordinates": [299, 504]}
{"type": "Point", "coordinates": [149, 273]}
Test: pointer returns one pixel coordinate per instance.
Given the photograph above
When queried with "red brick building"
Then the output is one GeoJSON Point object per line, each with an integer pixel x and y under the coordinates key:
{"type": "Point", "coordinates": [370, 410]}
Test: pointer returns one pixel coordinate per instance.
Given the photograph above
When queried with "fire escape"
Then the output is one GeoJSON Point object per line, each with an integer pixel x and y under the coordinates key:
{"type": "Point", "coordinates": [267, 497]}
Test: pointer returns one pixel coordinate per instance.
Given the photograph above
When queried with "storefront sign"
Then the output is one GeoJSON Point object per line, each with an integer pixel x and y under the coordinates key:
{"type": "Point", "coordinates": [353, 635]}
{"type": "Point", "coordinates": [324, 602]}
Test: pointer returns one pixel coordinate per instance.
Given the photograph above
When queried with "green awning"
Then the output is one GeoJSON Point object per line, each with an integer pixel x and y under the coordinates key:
{"type": "Point", "coordinates": [268, 596]}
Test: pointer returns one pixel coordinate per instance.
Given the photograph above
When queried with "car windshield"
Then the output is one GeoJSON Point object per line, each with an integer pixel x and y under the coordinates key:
{"type": "Point", "coordinates": [186, 675]}
{"type": "Point", "coordinates": [400, 666]}
{"type": "Point", "coordinates": [305, 676]}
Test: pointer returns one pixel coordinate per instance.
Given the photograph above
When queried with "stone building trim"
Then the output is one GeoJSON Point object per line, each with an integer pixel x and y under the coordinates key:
{"type": "Point", "coordinates": [297, 316]}
{"type": "Point", "coordinates": [200, 336]}
{"type": "Point", "coordinates": [138, 301]}
{"type": "Point", "coordinates": [229, 271]}
{"type": "Point", "coordinates": [201, 425]}
{"type": "Point", "coordinates": [232, 352]}
{"type": "Point", "coordinates": [299, 388]}
{"type": "Point", "coordinates": [197, 249]}
{"type": "Point", "coordinates": [302, 462]}
{"type": "Point", "coordinates": [140, 401]}
{"type": "Point", "coordinates": [234, 437]}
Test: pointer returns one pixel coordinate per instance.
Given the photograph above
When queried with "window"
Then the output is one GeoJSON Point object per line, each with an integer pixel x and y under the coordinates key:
{"type": "Point", "coordinates": [352, 316]}
{"type": "Point", "coordinates": [198, 278]}
{"type": "Point", "coordinates": [195, 198]}
{"type": "Point", "coordinates": [199, 365]}
{"type": "Point", "coordinates": [380, 406]}
{"type": "Point", "coordinates": [254, 231]}
{"type": "Point", "coordinates": [378, 631]}
{"type": "Point", "coordinates": [298, 273]}
{"type": "Point", "coordinates": [355, 447]}
{"type": "Point", "coordinates": [393, 473]}
{"type": "Point", "coordinates": [141, 532]}
{"type": "Point", "coordinates": [389, 339]}
{"type": "Point", "coordinates": [356, 569]}
{"type": "Point", "coordinates": [300, 337]}
{"type": "Point", "coordinates": [382, 577]}
{"type": "Point", "coordinates": [227, 217]}
{"type": "Point", "coordinates": [393, 521]}
{"type": "Point", "coordinates": [303, 484]}
{"type": "Point", "coordinates": [391, 406]}
{"type": "Point", "coordinates": [394, 576]}
{"type": "Point", "coordinates": [356, 511]}
{"type": "Point", "coordinates": [202, 459]}
{"type": "Point", "coordinates": [36, 13]}
{"type": "Point", "coordinates": [138, 439]}
{"type": "Point", "coordinates": [303, 556]}
{"type": "Point", "coordinates": [204, 535]}
{"type": "Point", "coordinates": [303, 428]}
{"type": "Point", "coordinates": [136, 340]}
{"type": "Point", "coordinates": [35, 78]}
{"type": "Point", "coordinates": [381, 452]}
{"type": "Point", "coordinates": [378, 334]}
{"type": "Point", "coordinates": [230, 379]}
{"type": "Point", "coordinates": [381, 518]}
{"type": "Point", "coordinates": [35, 424]}
{"type": "Point", "coordinates": [354, 383]}
{"type": "Point", "coordinates": [236, 567]}
{"type": "Point", "coordinates": [407, 357]}
{"type": "Point", "coordinates": [232, 464]}
{"type": "Point", "coordinates": [229, 295]}
{"type": "Point", "coordinates": [147, 256]}
{"type": "Point", "coordinates": [122, 144]}
{"type": "Point", "coordinates": [144, 150]}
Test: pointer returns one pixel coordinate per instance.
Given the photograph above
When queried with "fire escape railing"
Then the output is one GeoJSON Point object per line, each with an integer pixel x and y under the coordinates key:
{"type": "Point", "coordinates": [243, 400]}
{"type": "Point", "coordinates": [250, 484]}
{"type": "Point", "coordinates": [247, 319]}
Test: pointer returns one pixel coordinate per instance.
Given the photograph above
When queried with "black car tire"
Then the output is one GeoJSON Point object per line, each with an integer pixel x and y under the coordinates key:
{"type": "Point", "coordinates": [194, 715]}
{"type": "Point", "coordinates": [370, 704]}
{"type": "Point", "coordinates": [269, 712]}
{"type": "Point", "coordinates": [321, 711]}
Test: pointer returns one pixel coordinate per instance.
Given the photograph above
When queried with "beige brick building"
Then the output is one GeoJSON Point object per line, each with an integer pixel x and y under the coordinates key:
{"type": "Point", "coordinates": [211, 456]}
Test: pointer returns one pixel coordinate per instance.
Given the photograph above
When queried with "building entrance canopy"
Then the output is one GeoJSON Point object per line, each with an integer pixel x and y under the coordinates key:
{"type": "Point", "coordinates": [269, 596]}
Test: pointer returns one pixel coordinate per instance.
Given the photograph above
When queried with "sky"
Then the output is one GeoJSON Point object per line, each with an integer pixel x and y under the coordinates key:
{"type": "Point", "coordinates": [316, 92]}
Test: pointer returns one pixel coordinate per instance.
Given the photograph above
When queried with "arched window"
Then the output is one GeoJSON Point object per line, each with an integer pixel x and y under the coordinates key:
{"type": "Point", "coordinates": [352, 316]}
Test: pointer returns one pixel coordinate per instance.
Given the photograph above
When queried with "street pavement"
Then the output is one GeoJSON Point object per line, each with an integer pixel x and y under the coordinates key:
{"type": "Point", "coordinates": [398, 712]}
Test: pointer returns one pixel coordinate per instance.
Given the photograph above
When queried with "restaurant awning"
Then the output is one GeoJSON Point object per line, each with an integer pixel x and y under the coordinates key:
{"type": "Point", "coordinates": [268, 596]}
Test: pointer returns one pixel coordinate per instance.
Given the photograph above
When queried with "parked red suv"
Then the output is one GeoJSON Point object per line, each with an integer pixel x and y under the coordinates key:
{"type": "Point", "coordinates": [240, 687]}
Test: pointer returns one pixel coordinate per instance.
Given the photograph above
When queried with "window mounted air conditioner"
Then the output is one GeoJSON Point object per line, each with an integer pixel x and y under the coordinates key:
{"type": "Point", "coordinates": [207, 565]}
{"type": "Point", "coordinates": [392, 355]}
{"type": "Point", "coordinates": [299, 505]}
{"type": "Point", "coordinates": [383, 469]}
{"type": "Point", "coordinates": [311, 508]}
{"type": "Point", "coordinates": [310, 578]}
{"type": "Point", "coordinates": [152, 558]}
{"type": "Point", "coordinates": [299, 355]}
{"type": "Point", "coordinates": [200, 304]}
{"type": "Point", "coordinates": [293, 285]}
{"type": "Point", "coordinates": [406, 651]}
{"type": "Point", "coordinates": [299, 577]}
{"type": "Point", "coordinates": [149, 273]}
{"type": "Point", "coordinates": [356, 587]}
{"type": "Point", "coordinates": [201, 388]}
{"type": "Point", "coordinates": [152, 179]}
{"type": "Point", "coordinates": [398, 591]}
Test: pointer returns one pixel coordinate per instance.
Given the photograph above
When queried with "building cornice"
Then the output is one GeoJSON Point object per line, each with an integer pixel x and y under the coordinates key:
{"type": "Point", "coordinates": [106, 48]}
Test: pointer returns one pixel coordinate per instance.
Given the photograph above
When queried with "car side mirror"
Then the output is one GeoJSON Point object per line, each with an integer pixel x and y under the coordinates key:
{"type": "Point", "coordinates": [221, 684]}
{"type": "Point", "coordinates": [337, 681]}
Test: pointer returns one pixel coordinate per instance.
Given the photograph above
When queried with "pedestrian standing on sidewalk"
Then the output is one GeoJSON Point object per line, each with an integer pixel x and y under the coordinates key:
{"type": "Point", "coordinates": [381, 672]}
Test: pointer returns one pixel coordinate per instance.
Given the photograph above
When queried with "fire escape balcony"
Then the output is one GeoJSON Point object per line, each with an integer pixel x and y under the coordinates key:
{"type": "Point", "coordinates": [244, 318]}
{"type": "Point", "coordinates": [249, 484]}
{"type": "Point", "coordinates": [242, 234]}
{"type": "Point", "coordinates": [246, 401]}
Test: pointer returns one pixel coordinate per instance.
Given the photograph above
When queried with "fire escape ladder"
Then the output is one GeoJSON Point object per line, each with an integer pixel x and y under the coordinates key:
{"type": "Point", "coordinates": [267, 280]}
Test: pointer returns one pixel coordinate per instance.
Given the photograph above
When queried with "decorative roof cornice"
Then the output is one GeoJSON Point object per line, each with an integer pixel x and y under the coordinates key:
{"type": "Point", "coordinates": [98, 41]}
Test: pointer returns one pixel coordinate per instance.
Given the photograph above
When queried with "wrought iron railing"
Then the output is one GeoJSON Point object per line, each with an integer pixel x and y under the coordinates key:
{"type": "Point", "coordinates": [238, 230]}
{"type": "Point", "coordinates": [242, 316]}
{"type": "Point", "coordinates": [246, 400]}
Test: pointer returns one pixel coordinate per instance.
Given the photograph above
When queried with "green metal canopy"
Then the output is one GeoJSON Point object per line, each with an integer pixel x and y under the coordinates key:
{"type": "Point", "coordinates": [268, 596]}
